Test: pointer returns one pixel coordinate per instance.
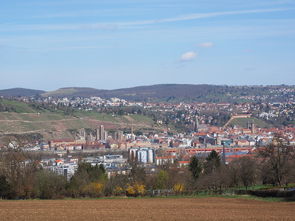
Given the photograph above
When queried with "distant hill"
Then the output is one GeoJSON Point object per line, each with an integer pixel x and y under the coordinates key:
{"type": "Point", "coordinates": [15, 92]}
{"type": "Point", "coordinates": [73, 92]}
{"type": "Point", "coordinates": [164, 92]}
{"type": "Point", "coordinates": [171, 93]}
{"type": "Point", "coordinates": [153, 92]}
{"type": "Point", "coordinates": [177, 93]}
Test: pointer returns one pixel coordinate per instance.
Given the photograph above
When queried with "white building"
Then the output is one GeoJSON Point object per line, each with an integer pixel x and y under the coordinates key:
{"type": "Point", "coordinates": [142, 155]}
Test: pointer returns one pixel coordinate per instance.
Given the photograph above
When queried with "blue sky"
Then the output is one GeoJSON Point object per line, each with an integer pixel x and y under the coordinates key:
{"type": "Point", "coordinates": [48, 44]}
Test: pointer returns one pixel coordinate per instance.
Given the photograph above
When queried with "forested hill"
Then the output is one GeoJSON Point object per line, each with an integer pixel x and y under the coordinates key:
{"type": "Point", "coordinates": [180, 92]}
{"type": "Point", "coordinates": [16, 92]}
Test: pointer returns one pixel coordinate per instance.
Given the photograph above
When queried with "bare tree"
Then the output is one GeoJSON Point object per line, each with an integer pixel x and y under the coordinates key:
{"type": "Point", "coordinates": [277, 160]}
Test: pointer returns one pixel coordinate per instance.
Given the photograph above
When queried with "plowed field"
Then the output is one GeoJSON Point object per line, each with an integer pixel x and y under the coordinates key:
{"type": "Point", "coordinates": [147, 209]}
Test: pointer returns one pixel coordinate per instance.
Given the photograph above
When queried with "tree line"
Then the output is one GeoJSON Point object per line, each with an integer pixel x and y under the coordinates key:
{"type": "Point", "coordinates": [22, 177]}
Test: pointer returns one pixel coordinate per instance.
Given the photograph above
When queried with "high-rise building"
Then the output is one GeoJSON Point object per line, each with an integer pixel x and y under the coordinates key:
{"type": "Point", "coordinates": [101, 133]}
{"type": "Point", "coordinates": [118, 135]}
{"type": "Point", "coordinates": [142, 155]}
{"type": "Point", "coordinates": [251, 126]}
{"type": "Point", "coordinates": [82, 134]}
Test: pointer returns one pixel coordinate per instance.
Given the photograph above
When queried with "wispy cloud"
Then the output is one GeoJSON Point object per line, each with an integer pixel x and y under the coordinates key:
{"type": "Point", "coordinates": [204, 15]}
{"type": "Point", "coordinates": [128, 24]}
{"type": "Point", "coordinates": [188, 56]}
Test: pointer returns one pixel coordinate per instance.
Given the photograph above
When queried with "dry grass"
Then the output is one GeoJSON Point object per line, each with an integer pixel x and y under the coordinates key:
{"type": "Point", "coordinates": [147, 209]}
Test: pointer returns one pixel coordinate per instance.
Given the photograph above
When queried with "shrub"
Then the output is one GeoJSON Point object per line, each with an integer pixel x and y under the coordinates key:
{"type": "Point", "coordinates": [178, 188]}
{"type": "Point", "coordinates": [93, 189]}
{"type": "Point", "coordinates": [118, 191]}
{"type": "Point", "coordinates": [135, 190]}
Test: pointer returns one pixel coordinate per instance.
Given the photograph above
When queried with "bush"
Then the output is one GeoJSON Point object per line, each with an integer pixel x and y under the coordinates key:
{"type": "Point", "coordinates": [178, 188]}
{"type": "Point", "coordinates": [93, 189]}
{"type": "Point", "coordinates": [118, 191]}
{"type": "Point", "coordinates": [135, 190]}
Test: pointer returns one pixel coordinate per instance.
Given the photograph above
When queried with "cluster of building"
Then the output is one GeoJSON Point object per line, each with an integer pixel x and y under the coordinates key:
{"type": "Point", "coordinates": [153, 150]}
{"type": "Point", "coordinates": [67, 166]}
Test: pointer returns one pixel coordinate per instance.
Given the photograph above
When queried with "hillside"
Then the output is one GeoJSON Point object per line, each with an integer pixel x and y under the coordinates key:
{"type": "Point", "coordinates": [15, 106]}
{"type": "Point", "coordinates": [53, 125]}
{"type": "Point", "coordinates": [242, 122]}
{"type": "Point", "coordinates": [20, 118]}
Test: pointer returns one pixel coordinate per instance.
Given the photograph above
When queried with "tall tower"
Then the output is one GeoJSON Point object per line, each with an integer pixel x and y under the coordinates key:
{"type": "Point", "coordinates": [248, 125]}
{"type": "Point", "coordinates": [119, 135]}
{"type": "Point", "coordinates": [82, 134]}
{"type": "Point", "coordinates": [132, 136]}
{"type": "Point", "coordinates": [97, 134]}
{"type": "Point", "coordinates": [100, 133]}
{"type": "Point", "coordinates": [253, 127]}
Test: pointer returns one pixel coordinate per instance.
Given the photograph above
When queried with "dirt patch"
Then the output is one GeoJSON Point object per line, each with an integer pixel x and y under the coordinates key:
{"type": "Point", "coordinates": [147, 209]}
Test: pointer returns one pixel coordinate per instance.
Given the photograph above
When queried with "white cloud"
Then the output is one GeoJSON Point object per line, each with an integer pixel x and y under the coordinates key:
{"type": "Point", "coordinates": [206, 45]}
{"type": "Point", "coordinates": [188, 56]}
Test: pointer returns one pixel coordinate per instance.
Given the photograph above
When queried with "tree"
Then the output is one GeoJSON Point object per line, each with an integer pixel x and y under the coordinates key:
{"type": "Point", "coordinates": [243, 171]}
{"type": "Point", "coordinates": [247, 171]}
{"type": "Point", "coordinates": [161, 180]}
{"type": "Point", "coordinates": [50, 185]}
{"type": "Point", "coordinates": [116, 185]}
{"type": "Point", "coordinates": [216, 180]}
{"type": "Point", "coordinates": [137, 174]}
{"type": "Point", "coordinates": [233, 171]}
{"type": "Point", "coordinates": [93, 173]}
{"type": "Point", "coordinates": [5, 187]}
{"type": "Point", "coordinates": [195, 167]}
{"type": "Point", "coordinates": [85, 175]}
{"type": "Point", "coordinates": [212, 162]}
{"type": "Point", "coordinates": [20, 169]}
{"type": "Point", "coordinates": [277, 160]}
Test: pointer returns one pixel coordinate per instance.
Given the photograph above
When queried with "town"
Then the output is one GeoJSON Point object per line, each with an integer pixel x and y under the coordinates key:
{"type": "Point", "coordinates": [147, 110]}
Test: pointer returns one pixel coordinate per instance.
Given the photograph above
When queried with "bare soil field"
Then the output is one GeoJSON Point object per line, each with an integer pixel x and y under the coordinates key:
{"type": "Point", "coordinates": [147, 209]}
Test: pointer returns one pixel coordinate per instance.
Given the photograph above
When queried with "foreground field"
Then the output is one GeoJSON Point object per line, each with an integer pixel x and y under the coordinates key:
{"type": "Point", "coordinates": [147, 209]}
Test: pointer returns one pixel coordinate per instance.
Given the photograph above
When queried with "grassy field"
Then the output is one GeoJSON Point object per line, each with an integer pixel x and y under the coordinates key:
{"type": "Point", "coordinates": [242, 122]}
{"type": "Point", "coordinates": [57, 124]}
{"type": "Point", "coordinates": [16, 106]}
{"type": "Point", "coordinates": [209, 208]}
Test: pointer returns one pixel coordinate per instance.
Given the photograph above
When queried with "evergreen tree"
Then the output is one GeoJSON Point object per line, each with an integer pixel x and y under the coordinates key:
{"type": "Point", "coordinates": [195, 167]}
{"type": "Point", "coordinates": [5, 188]}
{"type": "Point", "coordinates": [212, 162]}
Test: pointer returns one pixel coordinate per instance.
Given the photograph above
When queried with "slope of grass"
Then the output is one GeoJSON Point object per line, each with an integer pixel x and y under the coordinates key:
{"type": "Point", "coordinates": [97, 116]}
{"type": "Point", "coordinates": [242, 122]}
{"type": "Point", "coordinates": [16, 106]}
{"type": "Point", "coordinates": [54, 125]}
{"type": "Point", "coordinates": [19, 118]}
{"type": "Point", "coordinates": [141, 118]}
